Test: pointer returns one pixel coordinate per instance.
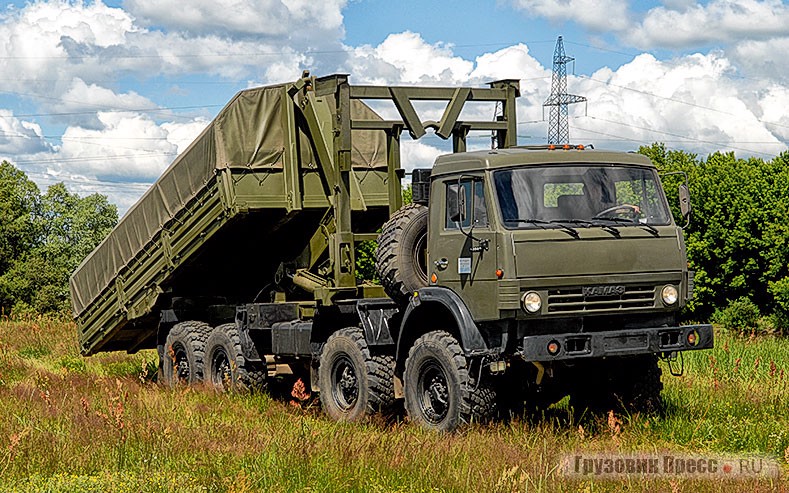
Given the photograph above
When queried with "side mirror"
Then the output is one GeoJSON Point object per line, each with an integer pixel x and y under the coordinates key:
{"type": "Point", "coordinates": [684, 201]}
{"type": "Point", "coordinates": [456, 203]}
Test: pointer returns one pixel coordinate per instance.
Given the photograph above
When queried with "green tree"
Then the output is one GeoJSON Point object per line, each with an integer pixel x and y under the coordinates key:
{"type": "Point", "coordinates": [60, 229]}
{"type": "Point", "coordinates": [18, 199]}
{"type": "Point", "coordinates": [738, 238]}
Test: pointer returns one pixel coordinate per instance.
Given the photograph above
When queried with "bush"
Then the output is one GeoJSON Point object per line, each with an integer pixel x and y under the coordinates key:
{"type": "Point", "coordinates": [741, 315]}
{"type": "Point", "coordinates": [780, 291]}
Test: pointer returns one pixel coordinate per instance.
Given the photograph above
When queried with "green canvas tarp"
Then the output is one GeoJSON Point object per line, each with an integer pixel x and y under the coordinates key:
{"type": "Point", "coordinates": [248, 133]}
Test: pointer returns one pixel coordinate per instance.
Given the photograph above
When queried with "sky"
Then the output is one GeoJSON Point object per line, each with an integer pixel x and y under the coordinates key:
{"type": "Point", "coordinates": [103, 96]}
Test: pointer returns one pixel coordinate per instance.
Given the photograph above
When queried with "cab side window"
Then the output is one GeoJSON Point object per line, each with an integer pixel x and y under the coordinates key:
{"type": "Point", "coordinates": [476, 209]}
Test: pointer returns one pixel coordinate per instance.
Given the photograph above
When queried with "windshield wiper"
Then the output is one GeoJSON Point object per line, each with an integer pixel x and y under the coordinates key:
{"type": "Point", "coordinates": [622, 220]}
{"type": "Point", "coordinates": [608, 229]}
{"type": "Point", "coordinates": [586, 224]}
{"type": "Point", "coordinates": [539, 222]}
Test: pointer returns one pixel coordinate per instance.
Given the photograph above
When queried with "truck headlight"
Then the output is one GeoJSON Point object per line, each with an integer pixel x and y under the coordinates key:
{"type": "Point", "coordinates": [669, 294]}
{"type": "Point", "coordinates": [531, 302]}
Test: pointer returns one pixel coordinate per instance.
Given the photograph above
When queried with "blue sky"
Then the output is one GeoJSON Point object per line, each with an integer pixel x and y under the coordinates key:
{"type": "Point", "coordinates": [102, 96]}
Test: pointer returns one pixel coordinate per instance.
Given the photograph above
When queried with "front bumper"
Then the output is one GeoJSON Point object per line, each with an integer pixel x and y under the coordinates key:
{"type": "Point", "coordinates": [617, 343]}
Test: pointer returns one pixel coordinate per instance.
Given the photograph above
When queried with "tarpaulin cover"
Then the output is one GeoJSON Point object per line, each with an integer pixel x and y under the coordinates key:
{"type": "Point", "coordinates": [247, 134]}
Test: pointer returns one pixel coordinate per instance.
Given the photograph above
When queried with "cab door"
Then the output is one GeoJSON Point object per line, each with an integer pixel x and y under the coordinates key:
{"type": "Point", "coordinates": [463, 253]}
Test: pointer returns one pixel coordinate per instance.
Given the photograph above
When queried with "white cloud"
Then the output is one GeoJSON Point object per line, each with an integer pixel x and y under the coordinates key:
{"type": "Point", "coordinates": [119, 159]}
{"type": "Point", "coordinates": [54, 43]}
{"type": "Point", "coordinates": [19, 136]}
{"type": "Point", "coordinates": [513, 62]}
{"type": "Point", "coordinates": [127, 147]}
{"type": "Point", "coordinates": [417, 154]}
{"type": "Point", "coordinates": [73, 54]}
{"type": "Point", "coordinates": [692, 102]}
{"type": "Point", "coordinates": [596, 15]}
{"type": "Point", "coordinates": [287, 20]}
{"type": "Point", "coordinates": [772, 105]}
{"type": "Point", "coordinates": [764, 59]}
{"type": "Point", "coordinates": [183, 134]}
{"type": "Point", "coordinates": [719, 21]}
{"type": "Point", "coordinates": [82, 97]}
{"type": "Point", "coordinates": [406, 58]}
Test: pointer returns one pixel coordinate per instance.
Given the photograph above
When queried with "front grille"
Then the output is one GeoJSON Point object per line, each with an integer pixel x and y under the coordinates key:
{"type": "Point", "coordinates": [572, 300]}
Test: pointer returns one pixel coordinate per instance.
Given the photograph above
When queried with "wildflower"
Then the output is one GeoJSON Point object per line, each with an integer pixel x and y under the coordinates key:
{"type": "Point", "coordinates": [299, 391]}
{"type": "Point", "coordinates": [614, 424]}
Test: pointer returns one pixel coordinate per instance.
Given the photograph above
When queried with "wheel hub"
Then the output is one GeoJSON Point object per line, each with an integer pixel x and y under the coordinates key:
{"type": "Point", "coordinates": [181, 365]}
{"type": "Point", "coordinates": [435, 393]}
{"type": "Point", "coordinates": [346, 384]}
{"type": "Point", "coordinates": [222, 374]}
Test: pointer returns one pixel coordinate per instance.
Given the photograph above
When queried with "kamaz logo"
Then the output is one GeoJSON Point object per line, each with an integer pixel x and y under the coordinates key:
{"type": "Point", "coordinates": [599, 291]}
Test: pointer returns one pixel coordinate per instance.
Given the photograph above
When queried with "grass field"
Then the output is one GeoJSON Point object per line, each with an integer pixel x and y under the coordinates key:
{"type": "Point", "coordinates": [69, 423]}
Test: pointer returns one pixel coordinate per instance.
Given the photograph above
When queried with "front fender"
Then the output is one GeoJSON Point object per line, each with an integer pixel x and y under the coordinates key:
{"type": "Point", "coordinates": [444, 302]}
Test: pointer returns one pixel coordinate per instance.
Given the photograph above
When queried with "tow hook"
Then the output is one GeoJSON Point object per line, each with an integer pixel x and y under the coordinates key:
{"type": "Point", "coordinates": [672, 358]}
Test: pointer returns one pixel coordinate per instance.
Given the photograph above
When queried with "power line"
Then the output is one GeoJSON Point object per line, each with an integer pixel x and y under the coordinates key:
{"type": "Point", "coordinates": [94, 158]}
{"type": "Point", "coordinates": [242, 55]}
{"type": "Point", "coordinates": [120, 110]}
{"type": "Point", "coordinates": [720, 144]}
{"type": "Point", "coordinates": [680, 101]}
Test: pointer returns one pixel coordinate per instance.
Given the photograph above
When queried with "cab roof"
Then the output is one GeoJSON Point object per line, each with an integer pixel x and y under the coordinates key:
{"type": "Point", "coordinates": [529, 156]}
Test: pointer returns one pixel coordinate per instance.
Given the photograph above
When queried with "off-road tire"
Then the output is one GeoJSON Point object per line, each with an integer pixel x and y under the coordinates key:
{"type": "Point", "coordinates": [183, 361]}
{"type": "Point", "coordinates": [630, 385]}
{"type": "Point", "coordinates": [401, 255]}
{"type": "Point", "coordinates": [226, 368]}
{"type": "Point", "coordinates": [440, 392]}
{"type": "Point", "coordinates": [642, 390]}
{"type": "Point", "coordinates": [354, 382]}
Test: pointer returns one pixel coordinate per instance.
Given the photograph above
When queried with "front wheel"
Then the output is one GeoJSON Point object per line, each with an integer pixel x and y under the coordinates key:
{"type": "Point", "coordinates": [440, 393]}
{"type": "Point", "coordinates": [629, 384]}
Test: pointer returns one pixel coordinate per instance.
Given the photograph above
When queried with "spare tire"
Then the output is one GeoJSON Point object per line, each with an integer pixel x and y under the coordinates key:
{"type": "Point", "coordinates": [401, 257]}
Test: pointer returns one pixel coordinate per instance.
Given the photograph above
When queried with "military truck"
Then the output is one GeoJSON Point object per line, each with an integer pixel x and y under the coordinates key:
{"type": "Point", "coordinates": [518, 275]}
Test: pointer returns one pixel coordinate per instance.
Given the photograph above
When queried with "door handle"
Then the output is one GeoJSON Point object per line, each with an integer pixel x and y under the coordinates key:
{"type": "Point", "coordinates": [441, 264]}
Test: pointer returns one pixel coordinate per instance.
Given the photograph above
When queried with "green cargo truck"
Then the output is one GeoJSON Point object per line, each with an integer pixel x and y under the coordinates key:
{"type": "Point", "coordinates": [517, 276]}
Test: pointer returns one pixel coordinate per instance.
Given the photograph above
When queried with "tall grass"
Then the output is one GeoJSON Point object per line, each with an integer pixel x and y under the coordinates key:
{"type": "Point", "coordinates": [69, 423]}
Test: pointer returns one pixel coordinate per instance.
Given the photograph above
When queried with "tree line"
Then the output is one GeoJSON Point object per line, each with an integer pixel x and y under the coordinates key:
{"type": "Point", "coordinates": [738, 237]}
{"type": "Point", "coordinates": [43, 238]}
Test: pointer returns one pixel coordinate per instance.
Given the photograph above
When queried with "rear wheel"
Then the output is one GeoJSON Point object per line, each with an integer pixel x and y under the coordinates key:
{"type": "Point", "coordinates": [354, 383]}
{"type": "Point", "coordinates": [226, 366]}
{"type": "Point", "coordinates": [440, 393]}
{"type": "Point", "coordinates": [183, 361]}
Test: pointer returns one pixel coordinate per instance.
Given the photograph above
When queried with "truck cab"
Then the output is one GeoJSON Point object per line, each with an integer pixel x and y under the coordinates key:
{"type": "Point", "coordinates": [566, 263]}
{"type": "Point", "coordinates": [587, 234]}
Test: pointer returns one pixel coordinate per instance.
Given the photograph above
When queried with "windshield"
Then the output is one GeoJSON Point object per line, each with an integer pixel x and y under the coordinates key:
{"type": "Point", "coordinates": [534, 196]}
